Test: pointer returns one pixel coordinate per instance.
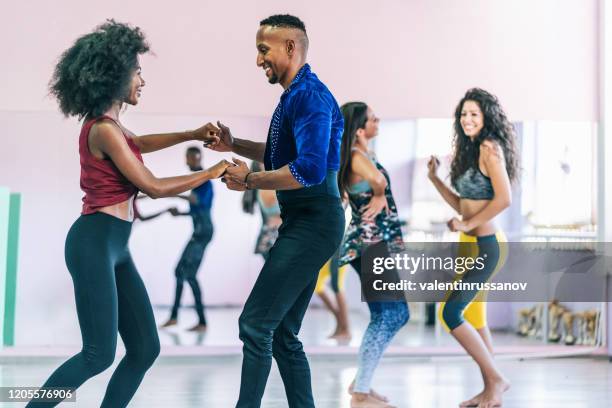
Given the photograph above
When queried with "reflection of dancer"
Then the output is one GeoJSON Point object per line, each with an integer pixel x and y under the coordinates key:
{"type": "Point", "coordinates": [140, 217]}
{"type": "Point", "coordinates": [270, 214]}
{"type": "Point", "coordinates": [92, 80]}
{"type": "Point", "coordinates": [334, 274]}
{"type": "Point", "coordinates": [200, 203]}
{"type": "Point", "coordinates": [271, 221]}
{"type": "Point", "coordinates": [301, 158]}
{"type": "Point", "coordinates": [374, 220]}
{"type": "Point", "coordinates": [483, 166]}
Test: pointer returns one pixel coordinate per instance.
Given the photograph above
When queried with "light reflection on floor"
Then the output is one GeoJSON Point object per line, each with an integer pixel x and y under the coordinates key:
{"type": "Point", "coordinates": [213, 382]}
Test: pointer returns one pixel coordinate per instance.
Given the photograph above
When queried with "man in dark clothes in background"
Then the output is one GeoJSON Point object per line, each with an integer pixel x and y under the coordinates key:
{"type": "Point", "coordinates": [200, 203]}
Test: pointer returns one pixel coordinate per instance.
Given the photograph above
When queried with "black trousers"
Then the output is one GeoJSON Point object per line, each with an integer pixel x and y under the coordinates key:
{"type": "Point", "coordinates": [311, 232]}
{"type": "Point", "coordinates": [190, 261]}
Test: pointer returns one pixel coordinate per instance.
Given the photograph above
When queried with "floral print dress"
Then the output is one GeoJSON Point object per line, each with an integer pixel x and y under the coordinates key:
{"type": "Point", "coordinates": [362, 233]}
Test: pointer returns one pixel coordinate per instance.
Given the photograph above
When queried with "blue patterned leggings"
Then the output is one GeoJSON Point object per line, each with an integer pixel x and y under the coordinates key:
{"type": "Point", "coordinates": [386, 319]}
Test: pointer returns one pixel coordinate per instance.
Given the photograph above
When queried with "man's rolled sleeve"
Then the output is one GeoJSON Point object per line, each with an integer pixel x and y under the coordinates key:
{"type": "Point", "coordinates": [311, 129]}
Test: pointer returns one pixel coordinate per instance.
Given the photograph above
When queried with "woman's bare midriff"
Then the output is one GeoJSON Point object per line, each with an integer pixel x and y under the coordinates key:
{"type": "Point", "coordinates": [123, 210]}
{"type": "Point", "coordinates": [469, 208]}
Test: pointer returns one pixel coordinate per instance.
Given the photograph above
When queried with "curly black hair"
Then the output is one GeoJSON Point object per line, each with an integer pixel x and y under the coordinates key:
{"type": "Point", "coordinates": [284, 20]}
{"type": "Point", "coordinates": [496, 128]}
{"type": "Point", "coordinates": [96, 71]}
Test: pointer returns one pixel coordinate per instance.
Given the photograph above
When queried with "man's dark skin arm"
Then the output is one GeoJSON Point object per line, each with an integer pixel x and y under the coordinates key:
{"type": "Point", "coordinates": [280, 179]}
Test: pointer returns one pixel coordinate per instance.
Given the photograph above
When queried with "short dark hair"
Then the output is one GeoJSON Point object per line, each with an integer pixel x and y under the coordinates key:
{"type": "Point", "coordinates": [96, 71]}
{"type": "Point", "coordinates": [194, 150]}
{"type": "Point", "coordinates": [284, 20]}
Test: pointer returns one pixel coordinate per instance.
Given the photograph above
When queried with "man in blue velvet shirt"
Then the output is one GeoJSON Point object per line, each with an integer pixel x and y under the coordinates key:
{"type": "Point", "coordinates": [301, 157]}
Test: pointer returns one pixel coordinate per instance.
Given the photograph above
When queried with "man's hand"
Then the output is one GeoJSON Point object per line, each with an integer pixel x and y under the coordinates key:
{"type": "Point", "coordinates": [235, 176]}
{"type": "Point", "coordinates": [225, 140]}
{"type": "Point", "coordinates": [231, 185]}
{"type": "Point", "coordinates": [209, 134]}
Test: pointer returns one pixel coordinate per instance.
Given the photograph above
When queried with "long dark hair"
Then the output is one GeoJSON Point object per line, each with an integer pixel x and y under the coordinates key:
{"type": "Point", "coordinates": [249, 197]}
{"type": "Point", "coordinates": [355, 118]}
{"type": "Point", "coordinates": [496, 127]}
{"type": "Point", "coordinates": [96, 71]}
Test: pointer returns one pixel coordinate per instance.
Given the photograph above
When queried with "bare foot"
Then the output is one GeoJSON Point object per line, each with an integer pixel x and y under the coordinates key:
{"type": "Point", "coordinates": [472, 402]}
{"type": "Point", "coordinates": [490, 397]}
{"type": "Point", "coordinates": [360, 400]}
{"type": "Point", "coordinates": [492, 394]}
{"type": "Point", "coordinates": [341, 335]}
{"type": "Point", "coordinates": [198, 328]}
{"type": "Point", "coordinates": [373, 393]}
{"type": "Point", "coordinates": [170, 322]}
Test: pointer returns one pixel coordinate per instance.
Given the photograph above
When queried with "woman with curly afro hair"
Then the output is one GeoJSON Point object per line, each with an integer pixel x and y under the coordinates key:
{"type": "Point", "coordinates": [483, 167]}
{"type": "Point", "coordinates": [93, 80]}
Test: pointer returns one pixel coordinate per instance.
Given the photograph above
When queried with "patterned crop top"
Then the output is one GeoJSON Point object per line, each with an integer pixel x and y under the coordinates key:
{"type": "Point", "coordinates": [474, 185]}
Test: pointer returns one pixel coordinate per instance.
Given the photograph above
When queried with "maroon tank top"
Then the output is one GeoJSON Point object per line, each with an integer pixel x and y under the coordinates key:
{"type": "Point", "coordinates": [101, 181]}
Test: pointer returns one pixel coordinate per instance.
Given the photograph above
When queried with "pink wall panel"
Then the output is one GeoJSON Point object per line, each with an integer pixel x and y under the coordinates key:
{"type": "Point", "coordinates": [410, 58]}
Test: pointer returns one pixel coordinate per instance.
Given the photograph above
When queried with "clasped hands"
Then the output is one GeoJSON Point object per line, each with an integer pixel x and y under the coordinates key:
{"type": "Point", "coordinates": [220, 139]}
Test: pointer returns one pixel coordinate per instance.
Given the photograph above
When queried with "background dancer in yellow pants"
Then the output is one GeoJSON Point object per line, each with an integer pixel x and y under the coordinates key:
{"type": "Point", "coordinates": [483, 166]}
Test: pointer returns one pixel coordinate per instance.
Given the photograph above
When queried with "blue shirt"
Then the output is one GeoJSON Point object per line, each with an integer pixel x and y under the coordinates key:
{"type": "Point", "coordinates": [204, 195]}
{"type": "Point", "coordinates": [306, 130]}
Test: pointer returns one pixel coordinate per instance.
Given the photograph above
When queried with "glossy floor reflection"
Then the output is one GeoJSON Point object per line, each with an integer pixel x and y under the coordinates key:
{"type": "Point", "coordinates": [36, 330]}
{"type": "Point", "coordinates": [212, 382]}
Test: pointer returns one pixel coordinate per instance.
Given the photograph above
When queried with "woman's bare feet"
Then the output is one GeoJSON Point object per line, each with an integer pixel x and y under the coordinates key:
{"type": "Point", "coordinates": [490, 397]}
{"type": "Point", "coordinates": [360, 400]}
{"type": "Point", "coordinates": [170, 322]}
{"type": "Point", "coordinates": [341, 335]}
{"type": "Point", "coordinates": [373, 393]}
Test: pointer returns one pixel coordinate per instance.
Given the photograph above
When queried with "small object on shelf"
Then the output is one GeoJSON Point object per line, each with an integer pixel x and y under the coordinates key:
{"type": "Point", "coordinates": [568, 329]}
{"type": "Point", "coordinates": [555, 312]}
{"type": "Point", "coordinates": [587, 327]}
{"type": "Point", "coordinates": [530, 321]}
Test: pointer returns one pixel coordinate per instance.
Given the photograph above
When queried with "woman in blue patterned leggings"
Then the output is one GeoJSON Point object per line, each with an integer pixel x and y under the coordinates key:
{"type": "Point", "coordinates": [374, 221]}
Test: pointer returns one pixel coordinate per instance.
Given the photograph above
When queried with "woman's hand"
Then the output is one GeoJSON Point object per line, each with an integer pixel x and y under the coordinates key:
{"type": "Point", "coordinates": [225, 140]}
{"type": "Point", "coordinates": [456, 225]}
{"type": "Point", "coordinates": [209, 134]}
{"type": "Point", "coordinates": [432, 166]}
{"type": "Point", "coordinates": [235, 178]}
{"type": "Point", "coordinates": [218, 169]}
{"type": "Point", "coordinates": [375, 207]}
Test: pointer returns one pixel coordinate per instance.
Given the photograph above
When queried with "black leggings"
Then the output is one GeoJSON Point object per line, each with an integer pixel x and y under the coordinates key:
{"type": "Point", "coordinates": [110, 298]}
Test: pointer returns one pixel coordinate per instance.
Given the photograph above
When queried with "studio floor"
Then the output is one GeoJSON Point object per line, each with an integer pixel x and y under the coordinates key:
{"type": "Point", "coordinates": [213, 382]}
{"type": "Point", "coordinates": [423, 368]}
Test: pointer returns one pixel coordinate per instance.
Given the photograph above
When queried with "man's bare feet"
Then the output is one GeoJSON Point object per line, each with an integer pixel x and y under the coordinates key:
{"type": "Point", "coordinates": [170, 322]}
{"type": "Point", "coordinates": [198, 328]}
{"type": "Point", "coordinates": [373, 393]}
{"type": "Point", "coordinates": [360, 400]}
{"type": "Point", "coordinates": [490, 397]}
